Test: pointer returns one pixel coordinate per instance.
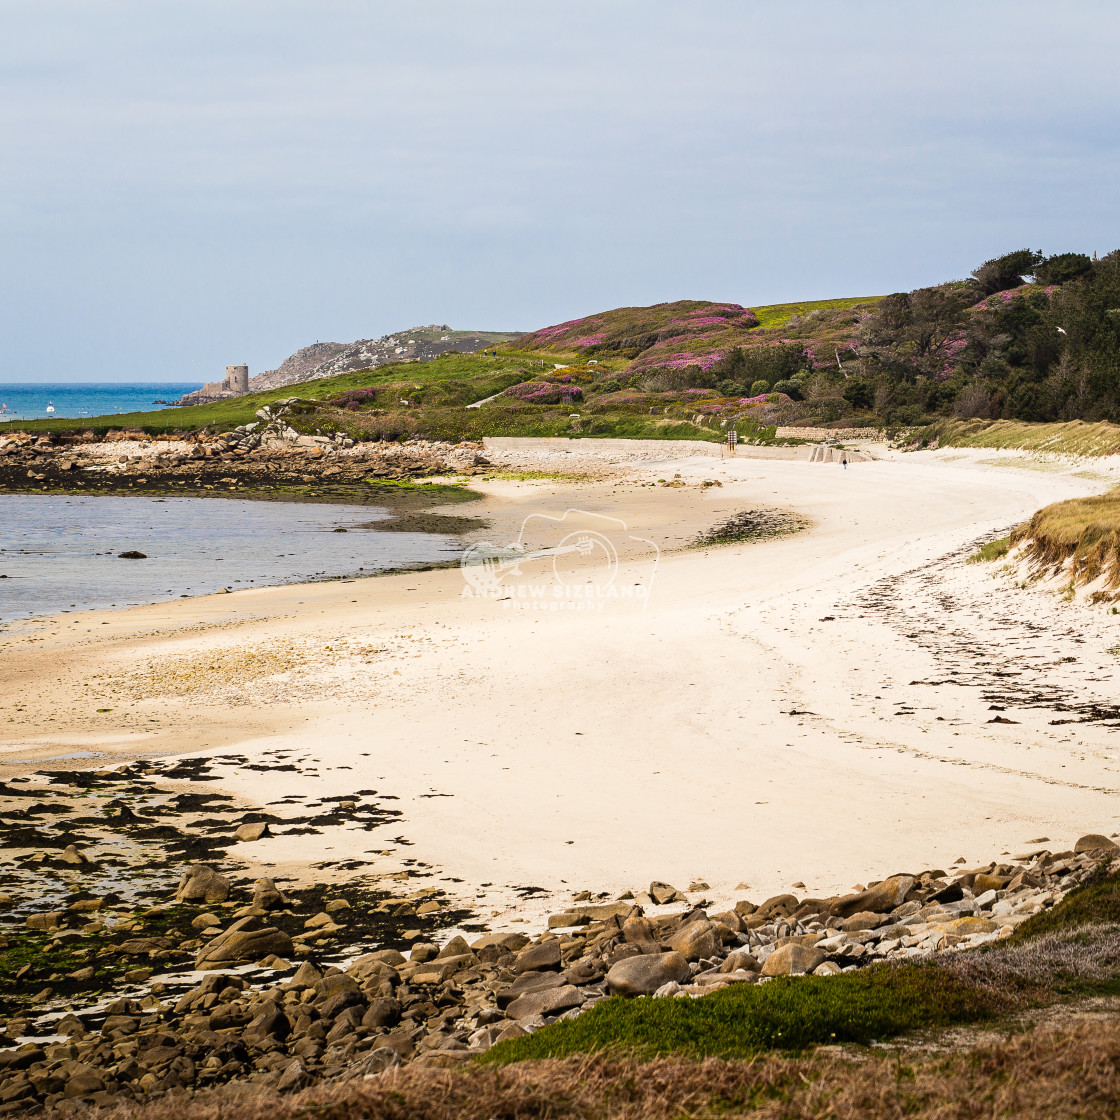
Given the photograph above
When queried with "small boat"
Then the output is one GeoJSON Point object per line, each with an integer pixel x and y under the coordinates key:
{"type": "Point", "coordinates": [50, 407]}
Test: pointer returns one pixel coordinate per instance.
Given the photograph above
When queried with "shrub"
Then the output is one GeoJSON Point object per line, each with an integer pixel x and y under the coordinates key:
{"type": "Point", "coordinates": [1062, 267]}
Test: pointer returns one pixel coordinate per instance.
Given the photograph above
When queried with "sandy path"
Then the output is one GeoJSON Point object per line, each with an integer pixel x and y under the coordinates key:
{"type": "Point", "coordinates": [724, 732]}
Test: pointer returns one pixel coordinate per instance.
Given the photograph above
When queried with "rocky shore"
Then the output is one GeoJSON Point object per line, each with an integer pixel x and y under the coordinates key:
{"type": "Point", "coordinates": [145, 955]}
{"type": "Point", "coordinates": [266, 457]}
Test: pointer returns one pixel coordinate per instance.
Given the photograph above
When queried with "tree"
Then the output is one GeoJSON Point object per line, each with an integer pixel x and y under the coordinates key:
{"type": "Point", "coordinates": [1062, 268]}
{"type": "Point", "coordinates": [1001, 273]}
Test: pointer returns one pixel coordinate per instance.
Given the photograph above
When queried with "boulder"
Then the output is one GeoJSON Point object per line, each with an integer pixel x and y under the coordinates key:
{"type": "Point", "coordinates": [552, 1001]}
{"type": "Point", "coordinates": [696, 940]}
{"type": "Point", "coordinates": [643, 975]}
{"type": "Point", "coordinates": [1095, 842]}
{"type": "Point", "coordinates": [792, 959]}
{"type": "Point", "coordinates": [585, 915]}
{"type": "Point", "coordinates": [508, 941]}
{"type": "Point", "coordinates": [266, 896]}
{"type": "Point", "coordinates": [879, 899]}
{"type": "Point", "coordinates": [863, 920]}
{"type": "Point", "coordinates": [240, 943]}
{"type": "Point", "coordinates": [253, 831]}
{"type": "Point", "coordinates": [200, 883]}
{"type": "Point", "coordinates": [543, 955]}
{"type": "Point", "coordinates": [664, 893]}
{"type": "Point", "coordinates": [456, 947]}
{"type": "Point", "coordinates": [49, 920]}
{"type": "Point", "coordinates": [779, 906]}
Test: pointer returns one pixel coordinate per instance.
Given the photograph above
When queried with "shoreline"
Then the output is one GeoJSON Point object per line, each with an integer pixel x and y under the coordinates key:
{"type": "Point", "coordinates": [329, 690]}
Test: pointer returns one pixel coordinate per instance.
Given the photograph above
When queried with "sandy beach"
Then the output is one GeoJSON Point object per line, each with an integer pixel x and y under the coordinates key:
{"type": "Point", "coordinates": [810, 709]}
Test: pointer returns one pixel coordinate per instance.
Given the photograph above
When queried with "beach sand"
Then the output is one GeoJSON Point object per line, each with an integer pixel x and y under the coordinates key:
{"type": "Point", "coordinates": [811, 709]}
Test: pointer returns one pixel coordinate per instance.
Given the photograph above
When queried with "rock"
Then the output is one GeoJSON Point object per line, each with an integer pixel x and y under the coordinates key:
{"type": "Point", "coordinates": [337, 904]}
{"type": "Point", "coordinates": [132, 554]}
{"type": "Point", "coordinates": [879, 899]}
{"type": "Point", "coordinates": [50, 920]}
{"type": "Point", "coordinates": [456, 947]}
{"type": "Point", "coordinates": [266, 896]}
{"type": "Point", "coordinates": [529, 982]}
{"type": "Point", "coordinates": [74, 856]}
{"type": "Point", "coordinates": [827, 968]}
{"type": "Point", "coordinates": [644, 974]}
{"type": "Point", "coordinates": [780, 905]}
{"type": "Point", "coordinates": [986, 882]}
{"type": "Point", "coordinates": [740, 961]}
{"type": "Point", "coordinates": [549, 1002]}
{"type": "Point", "coordinates": [639, 931]}
{"type": "Point", "coordinates": [378, 1061]}
{"type": "Point", "coordinates": [792, 959]}
{"type": "Point", "coordinates": [664, 893]}
{"type": "Point", "coordinates": [423, 951]}
{"type": "Point", "coordinates": [508, 941]}
{"type": "Point", "coordinates": [1094, 842]}
{"type": "Point", "coordinates": [295, 1076]}
{"type": "Point", "coordinates": [202, 884]}
{"type": "Point", "coordinates": [696, 940]}
{"type": "Point", "coordinates": [205, 921]}
{"type": "Point", "coordinates": [254, 831]}
{"type": "Point", "coordinates": [585, 915]}
{"type": "Point", "coordinates": [240, 943]}
{"type": "Point", "coordinates": [271, 1023]}
{"type": "Point", "coordinates": [382, 1013]}
{"type": "Point", "coordinates": [863, 920]}
{"type": "Point", "coordinates": [545, 954]}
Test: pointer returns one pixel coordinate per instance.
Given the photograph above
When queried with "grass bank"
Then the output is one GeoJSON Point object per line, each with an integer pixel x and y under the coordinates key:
{"type": "Point", "coordinates": [1072, 438]}
{"type": "Point", "coordinates": [1079, 537]}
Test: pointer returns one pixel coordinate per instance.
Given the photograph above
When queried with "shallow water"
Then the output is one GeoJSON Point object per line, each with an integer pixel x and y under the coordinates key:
{"type": "Point", "coordinates": [61, 553]}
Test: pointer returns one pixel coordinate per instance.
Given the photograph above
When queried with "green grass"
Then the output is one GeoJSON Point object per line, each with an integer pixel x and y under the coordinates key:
{"type": "Point", "coordinates": [787, 1013]}
{"type": "Point", "coordinates": [777, 315]}
{"type": "Point", "coordinates": [482, 375]}
{"type": "Point", "coordinates": [993, 550]}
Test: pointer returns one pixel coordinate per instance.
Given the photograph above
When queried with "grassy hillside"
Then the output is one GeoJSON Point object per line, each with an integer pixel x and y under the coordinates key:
{"type": "Point", "coordinates": [430, 400]}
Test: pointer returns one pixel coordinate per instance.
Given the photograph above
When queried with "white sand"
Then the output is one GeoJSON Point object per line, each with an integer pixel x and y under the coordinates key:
{"type": "Point", "coordinates": [599, 751]}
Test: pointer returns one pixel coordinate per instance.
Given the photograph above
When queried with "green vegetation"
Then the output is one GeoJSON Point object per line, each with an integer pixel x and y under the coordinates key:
{"type": "Point", "coordinates": [787, 1013]}
{"type": "Point", "coordinates": [778, 315]}
{"type": "Point", "coordinates": [993, 550]}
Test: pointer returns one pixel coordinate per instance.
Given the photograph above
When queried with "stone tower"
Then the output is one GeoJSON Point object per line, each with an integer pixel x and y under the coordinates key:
{"type": "Point", "coordinates": [237, 378]}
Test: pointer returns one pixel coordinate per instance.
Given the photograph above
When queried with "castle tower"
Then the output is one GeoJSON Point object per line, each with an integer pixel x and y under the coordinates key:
{"type": "Point", "coordinates": [237, 378]}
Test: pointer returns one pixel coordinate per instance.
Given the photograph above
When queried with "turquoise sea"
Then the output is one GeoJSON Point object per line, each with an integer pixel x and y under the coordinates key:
{"type": "Point", "coordinates": [70, 400]}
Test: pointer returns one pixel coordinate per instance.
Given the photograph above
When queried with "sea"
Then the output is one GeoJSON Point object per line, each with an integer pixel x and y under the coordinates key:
{"type": "Point", "coordinates": [74, 400]}
{"type": "Point", "coordinates": [60, 554]}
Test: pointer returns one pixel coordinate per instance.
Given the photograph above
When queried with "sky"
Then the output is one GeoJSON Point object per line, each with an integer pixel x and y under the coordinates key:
{"type": "Point", "coordinates": [186, 185]}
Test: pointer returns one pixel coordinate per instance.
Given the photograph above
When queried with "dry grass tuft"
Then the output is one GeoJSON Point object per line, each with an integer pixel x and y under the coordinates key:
{"type": "Point", "coordinates": [1040, 1075]}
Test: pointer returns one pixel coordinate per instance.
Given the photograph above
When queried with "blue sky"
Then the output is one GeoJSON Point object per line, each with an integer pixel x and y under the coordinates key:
{"type": "Point", "coordinates": [188, 184]}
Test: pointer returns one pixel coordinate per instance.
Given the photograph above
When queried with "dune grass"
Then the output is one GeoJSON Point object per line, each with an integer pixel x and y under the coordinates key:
{"type": "Point", "coordinates": [1081, 533]}
{"type": "Point", "coordinates": [1074, 437]}
{"type": "Point", "coordinates": [993, 550]}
